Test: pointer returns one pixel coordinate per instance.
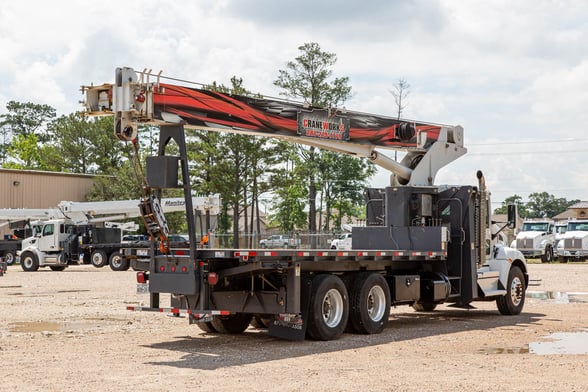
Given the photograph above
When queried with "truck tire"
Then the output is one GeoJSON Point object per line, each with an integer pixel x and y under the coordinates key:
{"type": "Point", "coordinates": [262, 246]}
{"type": "Point", "coordinates": [9, 257]}
{"type": "Point", "coordinates": [369, 303]}
{"type": "Point", "coordinates": [547, 256]}
{"type": "Point", "coordinates": [57, 267]}
{"type": "Point", "coordinates": [261, 322]}
{"type": "Point", "coordinates": [117, 262]}
{"type": "Point", "coordinates": [232, 324]}
{"type": "Point", "coordinates": [328, 308]}
{"type": "Point", "coordinates": [512, 303]}
{"type": "Point", "coordinates": [98, 258]}
{"type": "Point", "coordinates": [207, 327]}
{"type": "Point", "coordinates": [29, 262]}
{"type": "Point", "coordinates": [424, 306]}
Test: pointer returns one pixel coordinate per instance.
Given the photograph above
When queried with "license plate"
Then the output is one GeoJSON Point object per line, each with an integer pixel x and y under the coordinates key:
{"type": "Point", "coordinates": [142, 288]}
{"type": "Point", "coordinates": [142, 252]}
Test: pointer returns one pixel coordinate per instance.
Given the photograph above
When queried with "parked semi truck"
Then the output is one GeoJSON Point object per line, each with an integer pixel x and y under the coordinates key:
{"type": "Point", "coordinates": [423, 244]}
{"type": "Point", "coordinates": [573, 244]}
{"type": "Point", "coordinates": [536, 239]}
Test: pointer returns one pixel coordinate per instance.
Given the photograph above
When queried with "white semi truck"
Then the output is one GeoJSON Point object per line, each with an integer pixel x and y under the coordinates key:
{"type": "Point", "coordinates": [536, 239]}
{"type": "Point", "coordinates": [573, 244]}
{"type": "Point", "coordinates": [423, 244]}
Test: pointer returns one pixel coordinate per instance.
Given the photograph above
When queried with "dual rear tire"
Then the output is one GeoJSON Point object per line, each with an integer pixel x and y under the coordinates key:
{"type": "Point", "coordinates": [364, 309]}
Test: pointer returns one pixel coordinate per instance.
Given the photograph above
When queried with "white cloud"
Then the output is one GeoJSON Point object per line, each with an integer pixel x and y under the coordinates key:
{"type": "Point", "coordinates": [507, 71]}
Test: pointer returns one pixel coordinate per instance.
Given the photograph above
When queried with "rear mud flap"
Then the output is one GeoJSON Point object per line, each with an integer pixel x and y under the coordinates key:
{"type": "Point", "coordinates": [293, 327]}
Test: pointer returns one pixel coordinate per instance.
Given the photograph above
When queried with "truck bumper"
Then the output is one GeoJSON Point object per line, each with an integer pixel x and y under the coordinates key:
{"type": "Point", "coordinates": [532, 253]}
{"type": "Point", "coordinates": [577, 253]}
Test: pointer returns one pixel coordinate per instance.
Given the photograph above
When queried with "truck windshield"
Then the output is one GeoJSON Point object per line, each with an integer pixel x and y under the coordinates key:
{"type": "Point", "coordinates": [577, 226]}
{"type": "Point", "coordinates": [534, 226]}
{"type": "Point", "coordinates": [560, 229]}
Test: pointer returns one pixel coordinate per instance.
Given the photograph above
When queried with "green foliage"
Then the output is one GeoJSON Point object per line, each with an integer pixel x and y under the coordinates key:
{"type": "Point", "coordinates": [26, 118]}
{"type": "Point", "coordinates": [24, 152]}
{"type": "Point", "coordinates": [540, 205]}
{"type": "Point", "coordinates": [309, 77]}
{"type": "Point", "coordinates": [514, 199]}
{"type": "Point", "coordinates": [18, 126]}
{"type": "Point", "coordinates": [289, 204]}
{"type": "Point", "coordinates": [343, 180]}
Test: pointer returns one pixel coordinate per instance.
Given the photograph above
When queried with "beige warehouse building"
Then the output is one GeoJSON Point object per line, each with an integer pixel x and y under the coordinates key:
{"type": "Point", "coordinates": [41, 189]}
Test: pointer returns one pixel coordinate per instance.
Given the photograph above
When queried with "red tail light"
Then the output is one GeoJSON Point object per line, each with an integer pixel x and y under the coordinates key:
{"type": "Point", "coordinates": [212, 278]}
{"type": "Point", "coordinates": [142, 277]}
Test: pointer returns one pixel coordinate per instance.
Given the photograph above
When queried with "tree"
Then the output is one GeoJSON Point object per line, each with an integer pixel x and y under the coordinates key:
{"type": "Point", "coordinates": [24, 120]}
{"type": "Point", "coordinates": [83, 145]}
{"type": "Point", "coordinates": [237, 166]}
{"type": "Point", "coordinates": [309, 77]}
{"type": "Point", "coordinates": [545, 205]}
{"type": "Point", "coordinates": [401, 92]}
{"type": "Point", "coordinates": [540, 205]}
{"type": "Point", "coordinates": [343, 180]}
{"type": "Point", "coordinates": [514, 199]}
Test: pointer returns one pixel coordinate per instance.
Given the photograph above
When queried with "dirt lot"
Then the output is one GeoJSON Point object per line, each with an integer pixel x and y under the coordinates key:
{"type": "Point", "coordinates": [69, 331]}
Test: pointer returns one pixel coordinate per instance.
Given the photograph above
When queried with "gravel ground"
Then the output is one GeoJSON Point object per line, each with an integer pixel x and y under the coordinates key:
{"type": "Point", "coordinates": [69, 331]}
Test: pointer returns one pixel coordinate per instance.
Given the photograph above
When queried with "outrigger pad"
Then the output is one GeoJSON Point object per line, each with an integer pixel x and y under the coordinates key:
{"type": "Point", "coordinates": [162, 171]}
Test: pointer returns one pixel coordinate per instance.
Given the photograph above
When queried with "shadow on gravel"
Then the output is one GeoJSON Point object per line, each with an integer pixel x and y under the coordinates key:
{"type": "Point", "coordinates": [213, 351]}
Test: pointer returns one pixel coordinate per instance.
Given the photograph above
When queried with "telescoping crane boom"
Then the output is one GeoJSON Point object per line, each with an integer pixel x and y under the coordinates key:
{"type": "Point", "coordinates": [133, 100]}
{"type": "Point", "coordinates": [422, 245]}
{"type": "Point", "coordinates": [99, 211]}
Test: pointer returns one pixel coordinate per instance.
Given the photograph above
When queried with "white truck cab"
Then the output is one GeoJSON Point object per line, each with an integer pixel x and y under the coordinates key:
{"type": "Point", "coordinates": [574, 242]}
{"type": "Point", "coordinates": [536, 239]}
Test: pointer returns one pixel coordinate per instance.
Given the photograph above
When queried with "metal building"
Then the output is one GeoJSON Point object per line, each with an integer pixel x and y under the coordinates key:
{"type": "Point", "coordinates": [41, 189]}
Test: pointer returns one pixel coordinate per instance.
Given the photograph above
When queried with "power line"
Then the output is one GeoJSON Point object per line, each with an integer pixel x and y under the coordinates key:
{"type": "Point", "coordinates": [525, 152]}
{"type": "Point", "coordinates": [566, 140]}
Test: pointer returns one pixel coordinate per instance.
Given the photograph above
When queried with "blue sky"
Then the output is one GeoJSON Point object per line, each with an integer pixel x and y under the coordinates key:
{"type": "Point", "coordinates": [513, 74]}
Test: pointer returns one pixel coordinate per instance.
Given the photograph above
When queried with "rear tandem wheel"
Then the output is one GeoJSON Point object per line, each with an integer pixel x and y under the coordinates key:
{"type": "Point", "coordinates": [369, 303]}
{"type": "Point", "coordinates": [328, 308]}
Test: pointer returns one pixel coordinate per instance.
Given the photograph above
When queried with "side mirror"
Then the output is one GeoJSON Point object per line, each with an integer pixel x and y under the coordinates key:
{"type": "Point", "coordinates": [512, 216]}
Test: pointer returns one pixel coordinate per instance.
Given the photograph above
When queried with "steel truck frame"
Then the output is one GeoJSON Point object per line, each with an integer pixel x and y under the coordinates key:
{"type": "Point", "coordinates": [423, 244]}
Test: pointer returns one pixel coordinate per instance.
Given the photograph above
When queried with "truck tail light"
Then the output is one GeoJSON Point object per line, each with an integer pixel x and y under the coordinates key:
{"type": "Point", "coordinates": [212, 278]}
{"type": "Point", "coordinates": [142, 277]}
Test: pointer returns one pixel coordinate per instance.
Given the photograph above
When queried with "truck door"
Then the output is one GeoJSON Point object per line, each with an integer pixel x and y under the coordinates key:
{"type": "Point", "coordinates": [48, 242]}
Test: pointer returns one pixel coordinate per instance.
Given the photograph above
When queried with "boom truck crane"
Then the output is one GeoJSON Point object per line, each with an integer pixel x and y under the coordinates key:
{"type": "Point", "coordinates": [69, 233]}
{"type": "Point", "coordinates": [423, 245]}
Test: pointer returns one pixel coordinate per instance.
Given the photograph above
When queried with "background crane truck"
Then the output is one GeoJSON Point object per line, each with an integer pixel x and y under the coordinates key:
{"type": "Point", "coordinates": [423, 244]}
{"type": "Point", "coordinates": [12, 243]}
{"type": "Point", "coordinates": [69, 234]}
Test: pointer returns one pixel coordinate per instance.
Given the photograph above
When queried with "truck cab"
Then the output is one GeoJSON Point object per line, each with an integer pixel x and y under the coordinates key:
{"type": "Point", "coordinates": [46, 246]}
{"type": "Point", "coordinates": [536, 239]}
{"type": "Point", "coordinates": [573, 244]}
